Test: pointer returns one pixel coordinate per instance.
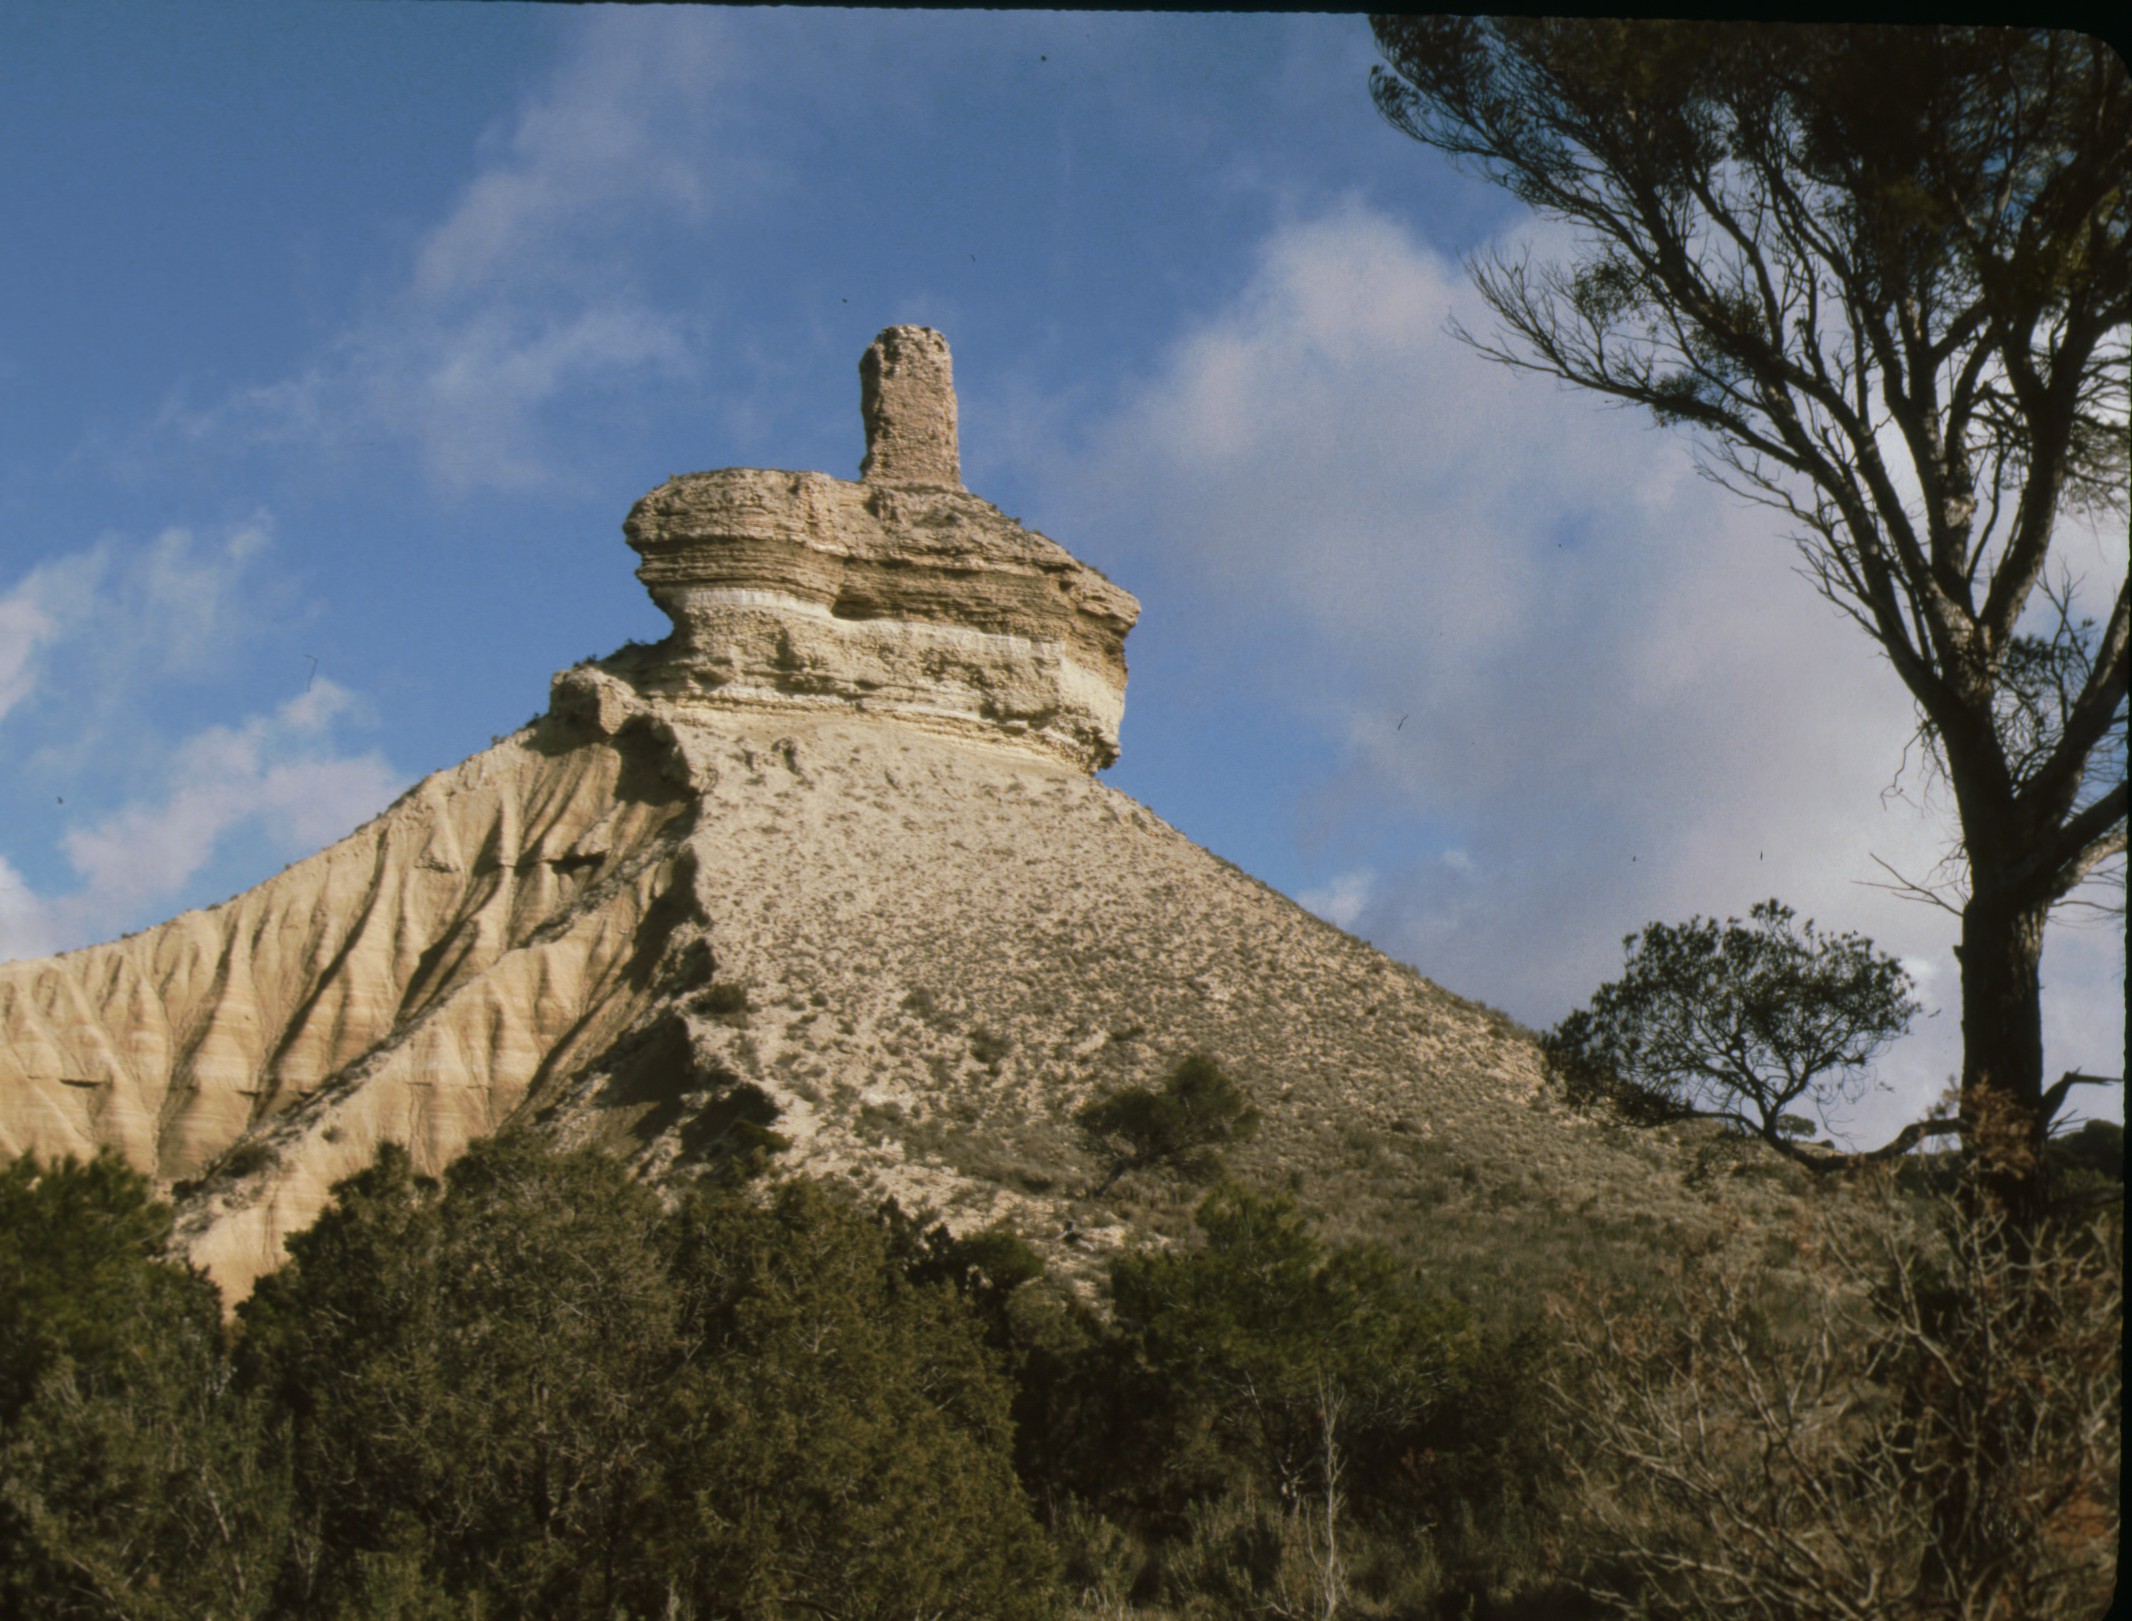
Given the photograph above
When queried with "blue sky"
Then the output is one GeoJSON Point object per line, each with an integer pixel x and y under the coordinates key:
{"type": "Point", "coordinates": [337, 339]}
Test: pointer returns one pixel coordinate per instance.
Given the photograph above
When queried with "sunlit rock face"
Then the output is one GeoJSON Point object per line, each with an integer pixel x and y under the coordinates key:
{"type": "Point", "coordinates": [907, 396]}
{"type": "Point", "coordinates": [412, 983]}
{"type": "Point", "coordinates": [901, 596]}
{"type": "Point", "coordinates": [482, 947]}
{"type": "Point", "coordinates": [833, 849]}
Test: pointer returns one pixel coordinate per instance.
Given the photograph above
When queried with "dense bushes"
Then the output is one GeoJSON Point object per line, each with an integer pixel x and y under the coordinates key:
{"type": "Point", "coordinates": [534, 1389]}
{"type": "Point", "coordinates": [475, 1376]}
{"type": "Point", "coordinates": [1270, 1424]}
{"type": "Point", "coordinates": [523, 1391]}
{"type": "Point", "coordinates": [529, 1389]}
{"type": "Point", "coordinates": [134, 1478]}
{"type": "Point", "coordinates": [844, 1442]}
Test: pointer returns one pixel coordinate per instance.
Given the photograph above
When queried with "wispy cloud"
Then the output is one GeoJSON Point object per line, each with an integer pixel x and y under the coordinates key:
{"type": "Point", "coordinates": [133, 613]}
{"type": "Point", "coordinates": [34, 614]}
{"type": "Point", "coordinates": [273, 772]}
{"type": "Point", "coordinates": [25, 927]}
{"type": "Point", "coordinates": [616, 135]}
{"type": "Point", "coordinates": [277, 778]}
{"type": "Point", "coordinates": [95, 641]}
{"type": "Point", "coordinates": [526, 296]}
{"type": "Point", "coordinates": [1341, 900]}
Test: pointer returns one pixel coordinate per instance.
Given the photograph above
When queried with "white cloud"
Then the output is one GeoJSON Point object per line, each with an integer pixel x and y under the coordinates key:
{"type": "Point", "coordinates": [1341, 901]}
{"type": "Point", "coordinates": [278, 778]}
{"type": "Point", "coordinates": [95, 639]}
{"type": "Point", "coordinates": [25, 923]}
{"type": "Point", "coordinates": [525, 295]}
{"type": "Point", "coordinates": [30, 619]}
{"type": "Point", "coordinates": [171, 607]}
{"type": "Point", "coordinates": [1621, 704]}
{"type": "Point", "coordinates": [1923, 971]}
{"type": "Point", "coordinates": [616, 134]}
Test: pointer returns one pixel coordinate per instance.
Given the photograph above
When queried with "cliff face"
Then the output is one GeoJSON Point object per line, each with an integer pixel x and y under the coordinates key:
{"type": "Point", "coordinates": [478, 932]}
{"type": "Point", "coordinates": [833, 846]}
{"type": "Point", "coordinates": [800, 593]}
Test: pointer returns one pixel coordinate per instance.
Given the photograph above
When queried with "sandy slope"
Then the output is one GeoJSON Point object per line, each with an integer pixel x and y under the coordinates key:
{"type": "Point", "coordinates": [946, 946]}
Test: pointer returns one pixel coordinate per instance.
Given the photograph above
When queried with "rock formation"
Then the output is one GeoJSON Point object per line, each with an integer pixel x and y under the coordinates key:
{"type": "Point", "coordinates": [902, 595]}
{"type": "Point", "coordinates": [833, 846]}
{"type": "Point", "coordinates": [907, 396]}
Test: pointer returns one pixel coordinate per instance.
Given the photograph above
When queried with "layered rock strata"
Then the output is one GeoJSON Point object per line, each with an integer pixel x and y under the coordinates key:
{"type": "Point", "coordinates": [433, 964]}
{"type": "Point", "coordinates": [901, 596]}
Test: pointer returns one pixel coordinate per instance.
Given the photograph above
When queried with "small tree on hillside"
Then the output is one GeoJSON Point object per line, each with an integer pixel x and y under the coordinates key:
{"type": "Point", "coordinates": [1185, 1125]}
{"type": "Point", "coordinates": [1741, 1022]}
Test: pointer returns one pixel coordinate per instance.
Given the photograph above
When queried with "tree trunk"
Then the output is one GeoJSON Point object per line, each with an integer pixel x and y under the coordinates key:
{"type": "Point", "coordinates": [2003, 1131]}
{"type": "Point", "coordinates": [2002, 1051]}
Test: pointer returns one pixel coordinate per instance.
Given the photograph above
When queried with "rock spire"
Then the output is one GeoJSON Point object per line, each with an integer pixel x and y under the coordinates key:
{"type": "Point", "coordinates": [907, 396]}
{"type": "Point", "coordinates": [901, 596]}
{"type": "Point", "coordinates": [831, 848]}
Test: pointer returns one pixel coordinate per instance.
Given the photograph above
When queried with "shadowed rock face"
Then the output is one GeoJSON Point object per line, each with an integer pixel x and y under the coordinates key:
{"type": "Point", "coordinates": [901, 596]}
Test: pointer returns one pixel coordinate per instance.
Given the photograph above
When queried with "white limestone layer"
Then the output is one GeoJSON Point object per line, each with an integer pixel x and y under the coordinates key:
{"type": "Point", "coordinates": [924, 604]}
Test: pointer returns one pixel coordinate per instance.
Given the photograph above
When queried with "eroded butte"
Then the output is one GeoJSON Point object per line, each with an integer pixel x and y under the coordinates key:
{"type": "Point", "coordinates": [833, 846]}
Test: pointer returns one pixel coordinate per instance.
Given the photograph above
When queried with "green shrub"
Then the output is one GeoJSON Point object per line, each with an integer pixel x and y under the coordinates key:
{"type": "Point", "coordinates": [842, 1441]}
{"type": "Point", "coordinates": [526, 1390]}
{"type": "Point", "coordinates": [1198, 1111]}
{"type": "Point", "coordinates": [133, 1479]}
{"type": "Point", "coordinates": [724, 1000]}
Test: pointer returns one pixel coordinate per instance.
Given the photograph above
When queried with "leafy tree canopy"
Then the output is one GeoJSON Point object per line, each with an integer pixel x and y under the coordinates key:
{"type": "Point", "coordinates": [1184, 1125]}
{"type": "Point", "coordinates": [133, 1479]}
{"type": "Point", "coordinates": [527, 1389]}
{"type": "Point", "coordinates": [1289, 1343]}
{"type": "Point", "coordinates": [842, 1441]}
{"type": "Point", "coordinates": [83, 1279]}
{"type": "Point", "coordinates": [1741, 1022]}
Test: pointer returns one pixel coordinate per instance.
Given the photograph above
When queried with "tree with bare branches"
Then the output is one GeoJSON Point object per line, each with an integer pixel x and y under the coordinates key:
{"type": "Point", "coordinates": [1883, 275]}
{"type": "Point", "coordinates": [1899, 1416]}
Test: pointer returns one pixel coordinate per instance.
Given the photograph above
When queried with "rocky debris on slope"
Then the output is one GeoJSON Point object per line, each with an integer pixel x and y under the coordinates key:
{"type": "Point", "coordinates": [924, 954]}
{"type": "Point", "coordinates": [831, 854]}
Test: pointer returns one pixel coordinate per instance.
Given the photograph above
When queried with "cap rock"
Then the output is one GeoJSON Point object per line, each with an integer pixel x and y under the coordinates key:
{"type": "Point", "coordinates": [900, 596]}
